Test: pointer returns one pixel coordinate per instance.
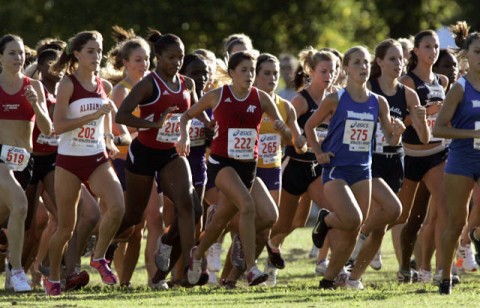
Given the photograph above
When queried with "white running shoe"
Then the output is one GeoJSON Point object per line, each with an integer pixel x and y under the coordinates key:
{"type": "Point", "coordinates": [212, 278]}
{"type": "Point", "coordinates": [424, 276]}
{"type": "Point", "coordinates": [19, 281]}
{"type": "Point", "coordinates": [314, 252]}
{"type": "Point", "coordinates": [271, 271]}
{"type": "Point", "coordinates": [376, 262]}
{"type": "Point", "coordinates": [162, 255]}
{"type": "Point", "coordinates": [214, 261]}
{"type": "Point", "coordinates": [354, 284]}
{"type": "Point", "coordinates": [341, 280]}
{"type": "Point", "coordinates": [468, 259]}
{"type": "Point", "coordinates": [161, 285]}
{"type": "Point", "coordinates": [321, 267]}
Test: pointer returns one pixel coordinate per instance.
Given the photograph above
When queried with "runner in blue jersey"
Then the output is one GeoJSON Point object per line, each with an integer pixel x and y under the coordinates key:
{"type": "Point", "coordinates": [346, 155]}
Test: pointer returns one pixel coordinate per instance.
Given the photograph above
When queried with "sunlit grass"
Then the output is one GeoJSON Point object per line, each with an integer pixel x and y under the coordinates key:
{"type": "Point", "coordinates": [297, 286]}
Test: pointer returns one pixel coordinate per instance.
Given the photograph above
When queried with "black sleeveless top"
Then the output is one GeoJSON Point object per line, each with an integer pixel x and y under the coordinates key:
{"type": "Point", "coordinates": [428, 94]}
{"type": "Point", "coordinates": [301, 120]}
{"type": "Point", "coordinates": [397, 104]}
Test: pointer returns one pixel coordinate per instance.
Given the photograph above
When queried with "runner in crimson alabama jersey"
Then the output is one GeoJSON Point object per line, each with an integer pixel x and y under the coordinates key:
{"type": "Point", "coordinates": [237, 110]}
{"type": "Point", "coordinates": [82, 120]}
{"type": "Point", "coordinates": [22, 101]}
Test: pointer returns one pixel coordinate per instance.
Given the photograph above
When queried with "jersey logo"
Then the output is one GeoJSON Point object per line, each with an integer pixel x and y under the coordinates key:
{"type": "Point", "coordinates": [228, 100]}
{"type": "Point", "coordinates": [10, 107]}
{"type": "Point", "coordinates": [165, 92]}
{"type": "Point", "coordinates": [475, 103]}
{"type": "Point", "coordinates": [251, 108]}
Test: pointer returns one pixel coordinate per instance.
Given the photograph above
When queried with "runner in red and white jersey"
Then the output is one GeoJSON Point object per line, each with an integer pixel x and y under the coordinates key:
{"type": "Point", "coordinates": [82, 119]}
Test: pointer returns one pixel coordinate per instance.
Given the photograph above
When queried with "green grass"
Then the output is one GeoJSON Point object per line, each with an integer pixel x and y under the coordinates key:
{"type": "Point", "coordinates": [297, 286]}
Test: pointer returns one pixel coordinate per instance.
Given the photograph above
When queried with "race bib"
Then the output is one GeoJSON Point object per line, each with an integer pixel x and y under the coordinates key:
{"type": "Point", "coordinates": [380, 140]}
{"type": "Point", "coordinates": [476, 141]}
{"type": "Point", "coordinates": [197, 133]}
{"type": "Point", "coordinates": [241, 143]}
{"type": "Point", "coordinates": [15, 158]}
{"type": "Point", "coordinates": [358, 135]}
{"type": "Point", "coordinates": [170, 131]}
{"type": "Point", "coordinates": [321, 133]}
{"type": "Point", "coordinates": [269, 148]}
{"type": "Point", "coordinates": [86, 137]}
{"type": "Point", "coordinates": [431, 119]}
{"type": "Point", "coordinates": [51, 140]}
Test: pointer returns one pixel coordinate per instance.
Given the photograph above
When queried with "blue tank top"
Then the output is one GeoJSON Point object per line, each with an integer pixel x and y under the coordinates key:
{"type": "Point", "coordinates": [302, 119]}
{"type": "Point", "coordinates": [466, 116]}
{"type": "Point", "coordinates": [398, 109]}
{"type": "Point", "coordinates": [351, 131]}
{"type": "Point", "coordinates": [428, 93]}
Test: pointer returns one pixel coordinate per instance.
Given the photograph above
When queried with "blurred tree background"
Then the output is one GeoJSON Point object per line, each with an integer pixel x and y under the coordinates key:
{"type": "Point", "coordinates": [274, 26]}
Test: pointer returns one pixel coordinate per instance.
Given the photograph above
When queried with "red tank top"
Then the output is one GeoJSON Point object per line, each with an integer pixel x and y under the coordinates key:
{"type": "Point", "coordinates": [237, 125]}
{"type": "Point", "coordinates": [80, 92]}
{"type": "Point", "coordinates": [16, 106]}
{"type": "Point", "coordinates": [42, 143]}
{"type": "Point", "coordinates": [165, 137]}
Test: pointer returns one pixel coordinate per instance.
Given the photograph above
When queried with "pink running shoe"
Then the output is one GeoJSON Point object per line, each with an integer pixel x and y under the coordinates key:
{"type": "Point", "coordinates": [108, 277]}
{"type": "Point", "coordinates": [52, 288]}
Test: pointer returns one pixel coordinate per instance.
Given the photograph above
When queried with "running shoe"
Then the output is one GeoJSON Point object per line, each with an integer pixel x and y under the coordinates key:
{"type": "Point", "coordinates": [437, 279]}
{"type": "Point", "coordinates": [445, 287]}
{"type": "Point", "coordinates": [256, 276]}
{"type": "Point", "coordinates": [342, 277]}
{"type": "Point", "coordinates": [475, 243]}
{"type": "Point", "coordinates": [160, 285]}
{"type": "Point", "coordinates": [466, 259]}
{"type": "Point", "coordinates": [321, 266]}
{"type": "Point", "coordinates": [236, 255]}
{"type": "Point", "coordinates": [212, 278]}
{"type": "Point", "coordinates": [162, 255]}
{"type": "Point", "coordinates": [196, 268]}
{"type": "Point", "coordinates": [214, 254]}
{"type": "Point", "coordinates": [19, 281]}
{"type": "Point", "coordinates": [354, 284]}
{"type": "Point", "coordinates": [376, 262]}
{"type": "Point", "coordinates": [414, 275]}
{"type": "Point", "coordinates": [52, 288]}
{"type": "Point", "coordinates": [275, 257]}
{"type": "Point", "coordinates": [108, 277]}
{"type": "Point", "coordinates": [424, 276]}
{"type": "Point", "coordinates": [271, 271]}
{"type": "Point", "coordinates": [227, 284]}
{"type": "Point", "coordinates": [327, 284]}
{"type": "Point", "coordinates": [404, 276]}
{"type": "Point", "coordinates": [313, 252]}
{"type": "Point", "coordinates": [76, 281]}
{"type": "Point", "coordinates": [320, 229]}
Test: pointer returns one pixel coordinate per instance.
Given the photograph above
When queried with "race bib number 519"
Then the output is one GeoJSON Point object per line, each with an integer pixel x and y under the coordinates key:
{"type": "Point", "coordinates": [15, 158]}
{"type": "Point", "coordinates": [358, 135]}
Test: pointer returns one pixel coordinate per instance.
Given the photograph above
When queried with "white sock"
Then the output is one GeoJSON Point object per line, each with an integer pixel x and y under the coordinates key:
{"type": "Point", "coordinates": [361, 240]}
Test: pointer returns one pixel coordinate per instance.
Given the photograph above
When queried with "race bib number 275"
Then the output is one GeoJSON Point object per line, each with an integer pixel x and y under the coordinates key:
{"type": "Point", "coordinates": [358, 135]}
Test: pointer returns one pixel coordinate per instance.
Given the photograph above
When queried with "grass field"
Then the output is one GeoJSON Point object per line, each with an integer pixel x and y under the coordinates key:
{"type": "Point", "coordinates": [297, 286]}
